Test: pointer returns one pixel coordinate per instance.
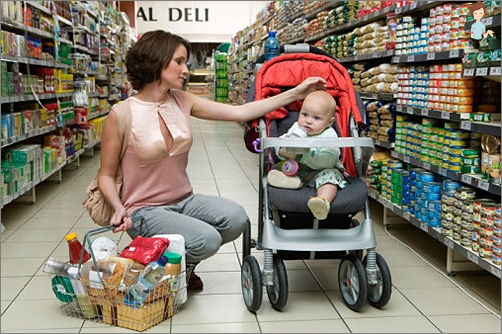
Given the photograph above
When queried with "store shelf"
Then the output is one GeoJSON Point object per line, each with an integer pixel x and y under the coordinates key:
{"type": "Point", "coordinates": [42, 178]}
{"type": "Point", "coordinates": [473, 180]}
{"type": "Point", "coordinates": [492, 128]}
{"type": "Point", "coordinates": [434, 232]}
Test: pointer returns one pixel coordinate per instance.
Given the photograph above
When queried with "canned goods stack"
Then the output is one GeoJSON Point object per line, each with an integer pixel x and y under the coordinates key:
{"type": "Point", "coordinates": [449, 90]}
{"type": "Point", "coordinates": [486, 230]}
{"type": "Point", "coordinates": [412, 179]}
{"type": "Point", "coordinates": [424, 193]}
{"type": "Point", "coordinates": [446, 27]}
{"type": "Point", "coordinates": [448, 206]}
{"type": "Point", "coordinates": [429, 151]}
{"type": "Point", "coordinates": [455, 140]}
{"type": "Point", "coordinates": [397, 186]}
{"type": "Point", "coordinates": [490, 158]}
{"type": "Point", "coordinates": [413, 85]}
{"type": "Point", "coordinates": [387, 178]}
{"type": "Point", "coordinates": [407, 36]}
{"type": "Point", "coordinates": [462, 219]}
{"type": "Point", "coordinates": [476, 220]}
{"type": "Point", "coordinates": [496, 251]}
{"type": "Point", "coordinates": [374, 176]}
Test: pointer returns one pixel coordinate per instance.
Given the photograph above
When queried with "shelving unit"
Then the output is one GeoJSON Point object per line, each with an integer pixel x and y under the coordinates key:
{"type": "Point", "coordinates": [243, 54]}
{"type": "Point", "coordinates": [47, 52]}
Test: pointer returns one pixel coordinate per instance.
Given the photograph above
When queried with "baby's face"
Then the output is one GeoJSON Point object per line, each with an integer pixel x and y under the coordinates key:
{"type": "Point", "coordinates": [314, 119]}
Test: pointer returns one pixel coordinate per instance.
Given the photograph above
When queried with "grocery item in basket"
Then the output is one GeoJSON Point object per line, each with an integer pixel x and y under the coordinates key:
{"type": "Point", "coordinates": [75, 249]}
{"type": "Point", "coordinates": [103, 248]}
{"type": "Point", "coordinates": [144, 249]}
{"type": "Point", "coordinates": [149, 278]}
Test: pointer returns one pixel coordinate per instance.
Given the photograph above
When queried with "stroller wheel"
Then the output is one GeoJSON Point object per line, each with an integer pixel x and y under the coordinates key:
{"type": "Point", "coordinates": [379, 294]}
{"type": "Point", "coordinates": [251, 284]}
{"type": "Point", "coordinates": [247, 243]}
{"type": "Point", "coordinates": [278, 292]}
{"type": "Point", "coordinates": [352, 282]}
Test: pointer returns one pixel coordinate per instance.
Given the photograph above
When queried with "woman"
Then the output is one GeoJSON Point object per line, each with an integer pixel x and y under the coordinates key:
{"type": "Point", "coordinates": [157, 196]}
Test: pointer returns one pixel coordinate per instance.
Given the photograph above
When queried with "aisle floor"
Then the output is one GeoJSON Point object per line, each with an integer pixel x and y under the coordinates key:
{"type": "Point", "coordinates": [424, 299]}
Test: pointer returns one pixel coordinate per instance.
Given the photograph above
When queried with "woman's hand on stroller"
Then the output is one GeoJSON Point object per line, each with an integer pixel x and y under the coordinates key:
{"type": "Point", "coordinates": [309, 85]}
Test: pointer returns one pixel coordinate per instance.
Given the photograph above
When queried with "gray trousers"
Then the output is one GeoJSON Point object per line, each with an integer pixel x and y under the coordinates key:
{"type": "Point", "coordinates": [206, 222]}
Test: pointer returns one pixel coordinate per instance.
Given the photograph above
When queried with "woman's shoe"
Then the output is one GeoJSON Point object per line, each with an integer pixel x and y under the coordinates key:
{"type": "Point", "coordinates": [194, 282]}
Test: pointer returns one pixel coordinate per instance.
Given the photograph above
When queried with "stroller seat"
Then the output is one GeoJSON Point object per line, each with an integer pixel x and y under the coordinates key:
{"type": "Point", "coordinates": [348, 200]}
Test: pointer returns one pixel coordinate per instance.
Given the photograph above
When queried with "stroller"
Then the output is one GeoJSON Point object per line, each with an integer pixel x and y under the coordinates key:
{"type": "Point", "coordinates": [286, 228]}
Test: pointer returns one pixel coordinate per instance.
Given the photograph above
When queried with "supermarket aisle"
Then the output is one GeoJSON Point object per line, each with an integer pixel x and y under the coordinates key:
{"type": "Point", "coordinates": [423, 300]}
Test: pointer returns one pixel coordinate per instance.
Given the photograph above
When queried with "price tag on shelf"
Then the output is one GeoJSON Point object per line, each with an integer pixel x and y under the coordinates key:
{"type": "Point", "coordinates": [395, 59]}
{"type": "Point", "coordinates": [427, 165]}
{"type": "Point", "coordinates": [424, 227]}
{"type": "Point", "coordinates": [472, 257]}
{"type": "Point", "coordinates": [406, 215]}
{"type": "Point", "coordinates": [466, 178]}
{"type": "Point", "coordinates": [398, 10]}
{"type": "Point", "coordinates": [406, 159]}
{"type": "Point", "coordinates": [465, 125]}
{"type": "Point", "coordinates": [482, 71]}
{"type": "Point", "coordinates": [425, 112]}
{"type": "Point", "coordinates": [399, 108]}
{"type": "Point", "coordinates": [495, 271]}
{"type": "Point", "coordinates": [454, 53]}
{"type": "Point", "coordinates": [483, 185]}
{"type": "Point", "coordinates": [445, 115]}
{"type": "Point", "coordinates": [448, 242]}
{"type": "Point", "coordinates": [411, 58]}
{"type": "Point", "coordinates": [431, 56]}
{"type": "Point", "coordinates": [468, 72]}
{"type": "Point", "coordinates": [413, 5]}
{"type": "Point", "coordinates": [495, 71]}
{"type": "Point", "coordinates": [409, 110]}
{"type": "Point", "coordinates": [443, 171]}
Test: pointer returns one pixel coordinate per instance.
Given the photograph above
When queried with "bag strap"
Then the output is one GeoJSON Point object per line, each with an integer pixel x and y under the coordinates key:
{"type": "Point", "coordinates": [124, 123]}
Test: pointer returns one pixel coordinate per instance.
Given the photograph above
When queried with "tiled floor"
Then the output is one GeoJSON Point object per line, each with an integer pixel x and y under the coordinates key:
{"type": "Point", "coordinates": [424, 299]}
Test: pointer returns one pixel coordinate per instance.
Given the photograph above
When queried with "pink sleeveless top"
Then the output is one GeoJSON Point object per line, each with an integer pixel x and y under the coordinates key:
{"type": "Point", "coordinates": [154, 175]}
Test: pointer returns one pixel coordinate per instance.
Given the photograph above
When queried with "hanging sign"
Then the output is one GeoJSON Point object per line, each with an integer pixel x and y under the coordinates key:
{"type": "Point", "coordinates": [198, 21]}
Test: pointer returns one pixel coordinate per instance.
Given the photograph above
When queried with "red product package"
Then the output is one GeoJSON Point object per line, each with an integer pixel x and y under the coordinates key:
{"type": "Point", "coordinates": [145, 250]}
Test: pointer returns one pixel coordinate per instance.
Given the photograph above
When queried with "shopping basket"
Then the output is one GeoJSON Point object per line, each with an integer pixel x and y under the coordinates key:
{"type": "Point", "coordinates": [97, 297]}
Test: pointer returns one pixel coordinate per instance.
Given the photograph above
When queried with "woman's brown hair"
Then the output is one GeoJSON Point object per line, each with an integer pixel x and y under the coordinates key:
{"type": "Point", "coordinates": [153, 51]}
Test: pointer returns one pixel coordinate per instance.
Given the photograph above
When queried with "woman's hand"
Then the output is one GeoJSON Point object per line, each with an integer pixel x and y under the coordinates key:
{"type": "Point", "coordinates": [310, 85]}
{"type": "Point", "coordinates": [121, 221]}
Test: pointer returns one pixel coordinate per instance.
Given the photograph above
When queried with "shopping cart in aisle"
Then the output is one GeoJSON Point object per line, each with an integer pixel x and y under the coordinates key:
{"type": "Point", "coordinates": [287, 229]}
{"type": "Point", "coordinates": [96, 291]}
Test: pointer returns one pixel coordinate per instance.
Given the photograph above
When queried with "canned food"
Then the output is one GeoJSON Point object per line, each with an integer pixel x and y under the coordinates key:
{"type": "Point", "coordinates": [465, 193]}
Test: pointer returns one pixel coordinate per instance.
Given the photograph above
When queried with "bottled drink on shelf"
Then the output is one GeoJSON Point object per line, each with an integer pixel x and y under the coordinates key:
{"type": "Point", "coordinates": [149, 277]}
{"type": "Point", "coordinates": [272, 46]}
{"type": "Point", "coordinates": [75, 249]}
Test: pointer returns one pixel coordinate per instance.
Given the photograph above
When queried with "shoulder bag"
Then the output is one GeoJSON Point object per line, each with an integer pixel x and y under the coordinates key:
{"type": "Point", "coordinates": [97, 206]}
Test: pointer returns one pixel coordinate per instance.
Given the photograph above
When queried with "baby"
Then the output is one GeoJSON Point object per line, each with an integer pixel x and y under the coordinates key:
{"type": "Point", "coordinates": [321, 167]}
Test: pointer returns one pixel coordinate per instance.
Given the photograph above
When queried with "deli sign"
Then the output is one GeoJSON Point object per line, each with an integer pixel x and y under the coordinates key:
{"type": "Point", "coordinates": [198, 21]}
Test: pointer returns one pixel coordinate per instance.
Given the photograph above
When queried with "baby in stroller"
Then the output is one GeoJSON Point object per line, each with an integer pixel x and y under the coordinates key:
{"type": "Point", "coordinates": [318, 167]}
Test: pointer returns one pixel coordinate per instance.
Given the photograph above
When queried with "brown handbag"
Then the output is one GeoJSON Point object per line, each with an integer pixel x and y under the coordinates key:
{"type": "Point", "coordinates": [97, 206]}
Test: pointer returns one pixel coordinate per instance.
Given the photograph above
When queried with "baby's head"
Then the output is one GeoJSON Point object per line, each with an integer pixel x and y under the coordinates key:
{"type": "Point", "coordinates": [318, 112]}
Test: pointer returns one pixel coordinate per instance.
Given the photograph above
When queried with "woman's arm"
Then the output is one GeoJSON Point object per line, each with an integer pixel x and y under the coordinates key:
{"type": "Point", "coordinates": [202, 108]}
{"type": "Point", "coordinates": [110, 155]}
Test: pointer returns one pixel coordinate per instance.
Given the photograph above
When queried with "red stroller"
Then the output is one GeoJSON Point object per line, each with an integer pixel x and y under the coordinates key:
{"type": "Point", "coordinates": [286, 227]}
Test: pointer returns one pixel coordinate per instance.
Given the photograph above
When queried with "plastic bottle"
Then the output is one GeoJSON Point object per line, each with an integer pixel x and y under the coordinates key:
{"type": "Point", "coordinates": [173, 269]}
{"type": "Point", "coordinates": [272, 46]}
{"type": "Point", "coordinates": [151, 276]}
{"type": "Point", "coordinates": [75, 249]}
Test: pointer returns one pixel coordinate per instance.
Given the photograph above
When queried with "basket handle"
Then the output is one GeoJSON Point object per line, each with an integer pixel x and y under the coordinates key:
{"type": "Point", "coordinates": [87, 240]}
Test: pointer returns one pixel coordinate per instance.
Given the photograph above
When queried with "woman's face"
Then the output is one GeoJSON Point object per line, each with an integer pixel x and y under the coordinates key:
{"type": "Point", "coordinates": [176, 72]}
